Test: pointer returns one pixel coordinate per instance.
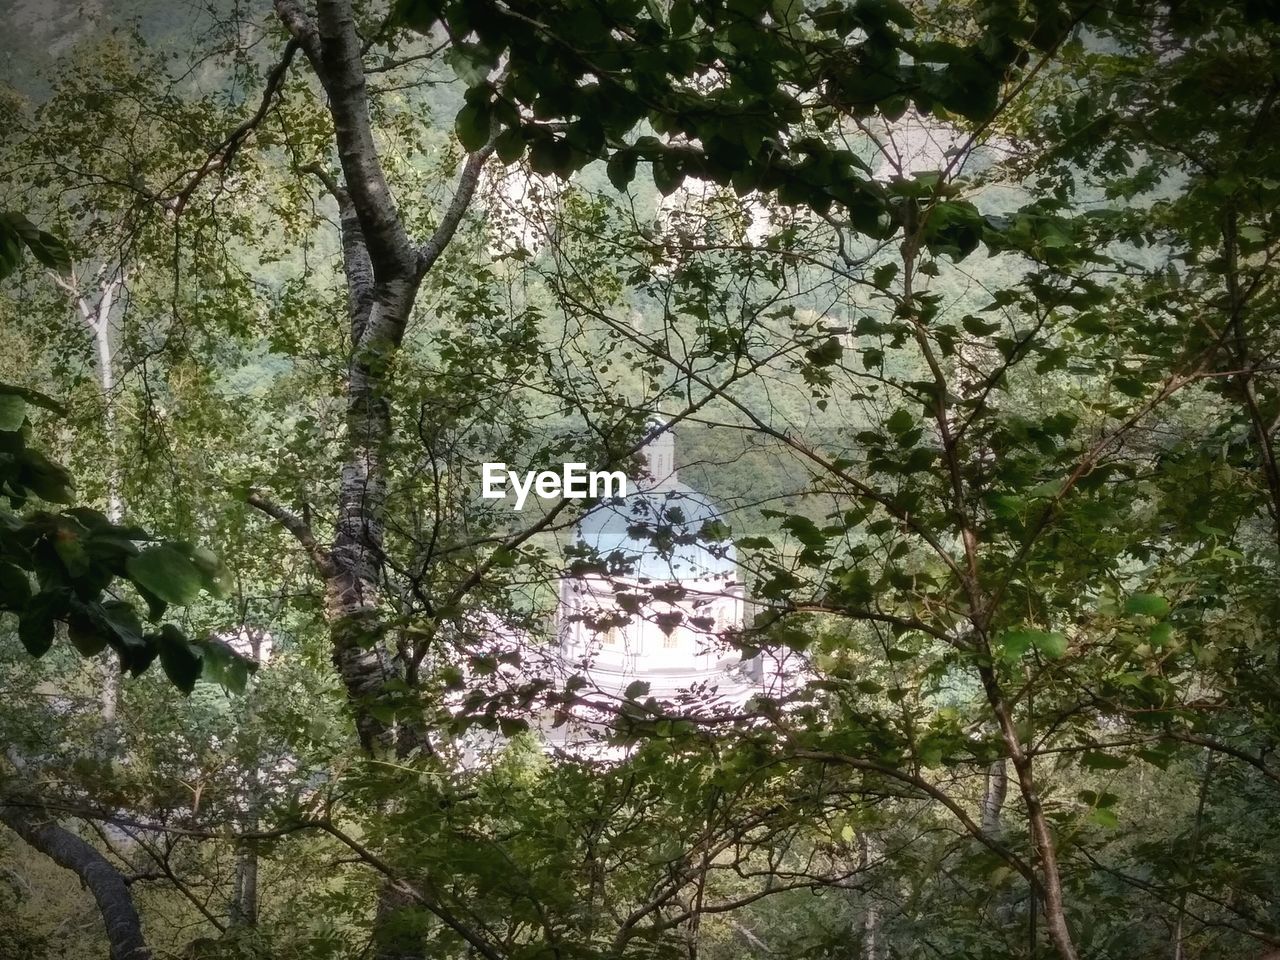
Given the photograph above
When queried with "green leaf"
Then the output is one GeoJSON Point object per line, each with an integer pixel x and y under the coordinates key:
{"type": "Point", "coordinates": [1052, 645]}
{"type": "Point", "coordinates": [214, 576]}
{"type": "Point", "coordinates": [11, 248]}
{"type": "Point", "coordinates": [1104, 817]}
{"type": "Point", "coordinates": [900, 422]}
{"type": "Point", "coordinates": [1014, 643]}
{"type": "Point", "coordinates": [124, 623]}
{"type": "Point", "coordinates": [977, 327]}
{"type": "Point", "coordinates": [15, 586]}
{"type": "Point", "coordinates": [510, 145]}
{"type": "Point", "coordinates": [827, 353]}
{"type": "Point", "coordinates": [621, 168]}
{"type": "Point", "coordinates": [13, 410]}
{"type": "Point", "coordinates": [470, 63]}
{"type": "Point", "coordinates": [855, 588]}
{"type": "Point", "coordinates": [474, 124]}
{"type": "Point", "coordinates": [167, 573]}
{"type": "Point", "coordinates": [33, 397]}
{"type": "Point", "coordinates": [512, 726]}
{"type": "Point", "coordinates": [35, 627]}
{"type": "Point", "coordinates": [17, 231]}
{"type": "Point", "coordinates": [45, 478]}
{"type": "Point", "coordinates": [1103, 761]}
{"type": "Point", "coordinates": [136, 658]}
{"type": "Point", "coordinates": [85, 631]}
{"type": "Point", "coordinates": [668, 174]}
{"type": "Point", "coordinates": [682, 17]}
{"type": "Point", "coordinates": [419, 15]}
{"type": "Point", "coordinates": [155, 606]}
{"type": "Point", "coordinates": [1147, 605]}
{"type": "Point", "coordinates": [883, 275]}
{"type": "Point", "coordinates": [223, 665]}
{"type": "Point", "coordinates": [182, 660]}
{"type": "Point", "coordinates": [50, 251]}
{"type": "Point", "coordinates": [70, 548]}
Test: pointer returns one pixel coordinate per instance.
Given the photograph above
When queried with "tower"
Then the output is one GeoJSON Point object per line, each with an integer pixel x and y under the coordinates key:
{"type": "Point", "coordinates": [660, 461]}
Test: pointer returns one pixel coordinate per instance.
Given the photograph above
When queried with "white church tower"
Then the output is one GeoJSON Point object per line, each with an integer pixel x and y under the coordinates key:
{"type": "Point", "coordinates": [667, 597]}
{"type": "Point", "coordinates": [660, 462]}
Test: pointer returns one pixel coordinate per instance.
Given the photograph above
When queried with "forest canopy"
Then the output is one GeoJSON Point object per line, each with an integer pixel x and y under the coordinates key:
{"type": "Point", "coordinates": [938, 341]}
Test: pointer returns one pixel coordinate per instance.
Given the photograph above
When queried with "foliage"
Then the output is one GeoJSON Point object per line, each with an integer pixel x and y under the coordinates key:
{"type": "Point", "coordinates": [963, 312]}
{"type": "Point", "coordinates": [78, 559]}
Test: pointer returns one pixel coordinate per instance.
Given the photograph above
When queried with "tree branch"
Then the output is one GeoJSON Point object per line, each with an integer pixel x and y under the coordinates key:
{"type": "Point", "coordinates": [224, 153]}
{"type": "Point", "coordinates": [355, 253]}
{"type": "Point", "coordinates": [440, 911]}
{"type": "Point", "coordinates": [296, 526]}
{"type": "Point", "coordinates": [430, 252]}
{"type": "Point", "coordinates": [924, 786]}
{"type": "Point", "coordinates": [107, 884]}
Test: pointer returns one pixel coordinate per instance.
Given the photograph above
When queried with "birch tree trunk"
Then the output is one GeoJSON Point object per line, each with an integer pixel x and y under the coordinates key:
{"type": "Point", "coordinates": [871, 915]}
{"type": "Point", "coordinates": [383, 271]}
{"type": "Point", "coordinates": [100, 325]}
{"type": "Point", "coordinates": [993, 797]}
{"type": "Point", "coordinates": [98, 875]}
{"type": "Point", "coordinates": [97, 318]}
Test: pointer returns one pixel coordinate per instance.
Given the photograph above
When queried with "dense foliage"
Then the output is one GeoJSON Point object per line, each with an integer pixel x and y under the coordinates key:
{"type": "Point", "coordinates": [964, 312]}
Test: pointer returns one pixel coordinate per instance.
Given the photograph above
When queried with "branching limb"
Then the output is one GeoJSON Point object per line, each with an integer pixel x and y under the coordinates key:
{"type": "Point", "coordinates": [355, 253]}
{"type": "Point", "coordinates": [430, 252]}
{"type": "Point", "coordinates": [934, 792]}
{"type": "Point", "coordinates": [224, 153]}
{"type": "Point", "coordinates": [107, 884]}
{"type": "Point", "coordinates": [298, 527]}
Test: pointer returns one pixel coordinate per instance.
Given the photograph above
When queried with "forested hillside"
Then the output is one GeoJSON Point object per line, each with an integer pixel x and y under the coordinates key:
{"type": "Point", "coordinates": [963, 313]}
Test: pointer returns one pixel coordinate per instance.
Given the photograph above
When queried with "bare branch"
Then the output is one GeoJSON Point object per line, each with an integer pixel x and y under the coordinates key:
{"type": "Point", "coordinates": [224, 153]}
{"type": "Point", "coordinates": [430, 252]}
{"type": "Point", "coordinates": [297, 526]}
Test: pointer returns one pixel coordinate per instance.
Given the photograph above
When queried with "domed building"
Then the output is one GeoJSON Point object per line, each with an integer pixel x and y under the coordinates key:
{"type": "Point", "coordinates": [656, 594]}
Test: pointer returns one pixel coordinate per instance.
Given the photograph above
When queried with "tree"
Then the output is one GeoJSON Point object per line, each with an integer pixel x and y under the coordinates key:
{"type": "Point", "coordinates": [1011, 384]}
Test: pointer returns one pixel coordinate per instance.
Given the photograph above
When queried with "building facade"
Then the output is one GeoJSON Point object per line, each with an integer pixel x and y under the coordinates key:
{"type": "Point", "coordinates": [660, 600]}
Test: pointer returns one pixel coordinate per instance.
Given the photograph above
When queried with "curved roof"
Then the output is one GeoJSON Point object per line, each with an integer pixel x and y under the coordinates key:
{"type": "Point", "coordinates": [654, 534]}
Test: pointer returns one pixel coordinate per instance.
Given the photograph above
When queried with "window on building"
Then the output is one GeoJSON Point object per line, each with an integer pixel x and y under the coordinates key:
{"type": "Point", "coordinates": [613, 637]}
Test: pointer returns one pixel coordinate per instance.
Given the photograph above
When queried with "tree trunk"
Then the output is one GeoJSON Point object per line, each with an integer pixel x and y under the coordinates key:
{"type": "Point", "coordinates": [871, 915]}
{"type": "Point", "coordinates": [97, 318]}
{"type": "Point", "coordinates": [997, 788]}
{"type": "Point", "coordinates": [1041, 836]}
{"type": "Point", "coordinates": [383, 272]}
{"type": "Point", "coordinates": [103, 880]}
{"type": "Point", "coordinates": [243, 910]}
{"type": "Point", "coordinates": [244, 903]}
{"type": "Point", "coordinates": [1209, 758]}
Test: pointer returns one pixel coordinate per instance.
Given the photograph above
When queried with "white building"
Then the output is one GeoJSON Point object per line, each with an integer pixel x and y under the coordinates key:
{"type": "Point", "coordinates": [662, 602]}
{"type": "Point", "coordinates": [655, 602]}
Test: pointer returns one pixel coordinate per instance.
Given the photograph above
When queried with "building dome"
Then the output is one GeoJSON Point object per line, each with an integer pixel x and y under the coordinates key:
{"type": "Point", "coordinates": [625, 624]}
{"type": "Point", "coordinates": [656, 533]}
